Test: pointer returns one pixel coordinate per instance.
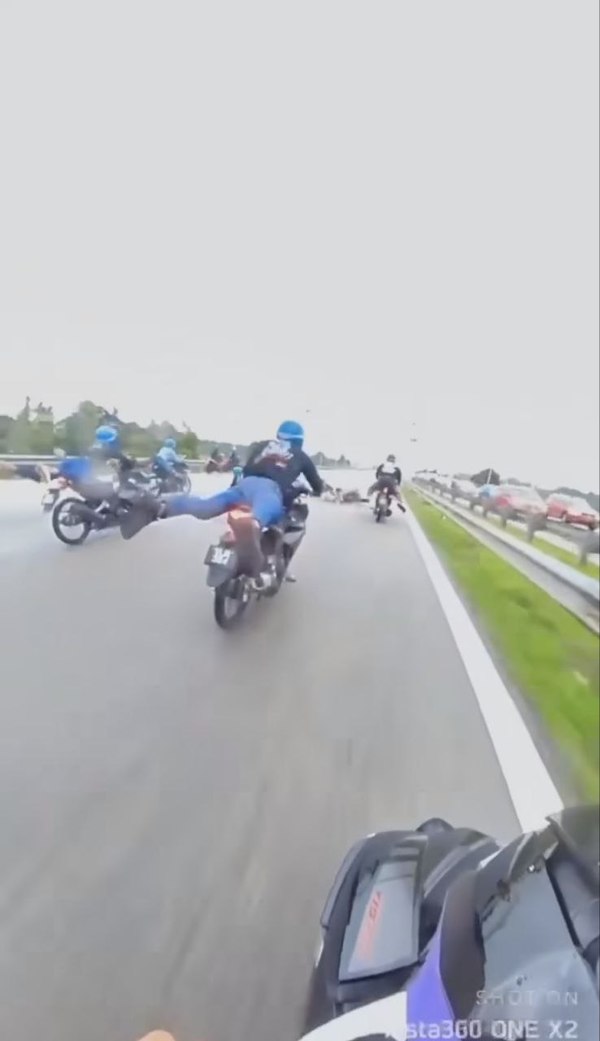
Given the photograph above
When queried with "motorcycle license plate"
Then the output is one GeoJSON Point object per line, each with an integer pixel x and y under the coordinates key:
{"type": "Point", "coordinates": [48, 498]}
{"type": "Point", "coordinates": [218, 555]}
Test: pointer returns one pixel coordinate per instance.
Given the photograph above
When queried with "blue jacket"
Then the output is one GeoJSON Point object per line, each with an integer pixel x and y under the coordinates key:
{"type": "Point", "coordinates": [168, 456]}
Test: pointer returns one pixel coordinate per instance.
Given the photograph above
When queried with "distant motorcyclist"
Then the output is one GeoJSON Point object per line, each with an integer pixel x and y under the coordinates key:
{"type": "Point", "coordinates": [166, 461]}
{"type": "Point", "coordinates": [238, 473]}
{"type": "Point", "coordinates": [388, 479]}
{"type": "Point", "coordinates": [218, 463]}
{"type": "Point", "coordinates": [167, 458]}
{"type": "Point", "coordinates": [266, 487]}
{"type": "Point", "coordinates": [234, 459]}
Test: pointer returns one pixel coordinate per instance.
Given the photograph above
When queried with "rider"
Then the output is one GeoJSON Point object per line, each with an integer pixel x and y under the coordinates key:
{"type": "Point", "coordinates": [107, 446]}
{"type": "Point", "coordinates": [166, 458]}
{"type": "Point", "coordinates": [388, 479]}
{"type": "Point", "coordinates": [107, 443]}
{"type": "Point", "coordinates": [271, 469]}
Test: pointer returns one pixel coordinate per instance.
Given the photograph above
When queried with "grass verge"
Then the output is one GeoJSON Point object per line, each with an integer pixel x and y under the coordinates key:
{"type": "Point", "coordinates": [551, 656]}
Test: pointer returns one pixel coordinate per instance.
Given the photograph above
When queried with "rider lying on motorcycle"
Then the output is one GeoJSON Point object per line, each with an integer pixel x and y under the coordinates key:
{"type": "Point", "coordinates": [271, 469]}
{"type": "Point", "coordinates": [389, 479]}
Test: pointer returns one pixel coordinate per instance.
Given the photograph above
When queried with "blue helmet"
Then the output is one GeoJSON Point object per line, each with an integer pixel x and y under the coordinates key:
{"type": "Point", "coordinates": [170, 442]}
{"type": "Point", "coordinates": [289, 430]}
{"type": "Point", "coordinates": [106, 435]}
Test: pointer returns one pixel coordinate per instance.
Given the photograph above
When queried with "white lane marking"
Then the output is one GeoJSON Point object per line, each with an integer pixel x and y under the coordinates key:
{"type": "Point", "coordinates": [530, 786]}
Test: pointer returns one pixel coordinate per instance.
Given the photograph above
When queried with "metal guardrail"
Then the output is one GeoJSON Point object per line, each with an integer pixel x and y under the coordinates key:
{"type": "Point", "coordinates": [585, 585]}
{"type": "Point", "coordinates": [54, 460]}
{"type": "Point", "coordinates": [9, 458]}
{"type": "Point", "coordinates": [588, 542]}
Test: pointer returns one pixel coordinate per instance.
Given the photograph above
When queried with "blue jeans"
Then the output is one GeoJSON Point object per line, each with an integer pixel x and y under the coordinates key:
{"type": "Point", "coordinates": [262, 495]}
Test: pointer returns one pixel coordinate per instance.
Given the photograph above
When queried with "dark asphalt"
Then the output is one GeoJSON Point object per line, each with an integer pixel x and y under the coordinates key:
{"type": "Point", "coordinates": [175, 800]}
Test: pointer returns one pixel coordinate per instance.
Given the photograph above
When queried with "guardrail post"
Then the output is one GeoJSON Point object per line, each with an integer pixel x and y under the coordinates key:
{"type": "Point", "coordinates": [591, 544]}
{"type": "Point", "coordinates": [535, 524]}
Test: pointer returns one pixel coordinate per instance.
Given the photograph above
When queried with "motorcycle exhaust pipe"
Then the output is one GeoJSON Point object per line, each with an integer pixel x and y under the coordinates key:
{"type": "Point", "coordinates": [86, 513]}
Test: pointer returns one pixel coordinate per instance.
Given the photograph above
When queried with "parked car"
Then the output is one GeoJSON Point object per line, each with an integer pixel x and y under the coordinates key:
{"type": "Point", "coordinates": [463, 488]}
{"type": "Point", "coordinates": [572, 511]}
{"type": "Point", "coordinates": [516, 502]}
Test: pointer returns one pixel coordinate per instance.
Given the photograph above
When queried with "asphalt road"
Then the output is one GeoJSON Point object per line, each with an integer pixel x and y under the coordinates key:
{"type": "Point", "coordinates": [175, 800]}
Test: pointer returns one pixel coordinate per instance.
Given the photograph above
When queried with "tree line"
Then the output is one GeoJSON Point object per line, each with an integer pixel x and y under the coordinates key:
{"type": "Point", "coordinates": [36, 431]}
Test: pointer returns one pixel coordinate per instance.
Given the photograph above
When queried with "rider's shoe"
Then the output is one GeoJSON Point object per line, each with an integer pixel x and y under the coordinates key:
{"type": "Point", "coordinates": [263, 581]}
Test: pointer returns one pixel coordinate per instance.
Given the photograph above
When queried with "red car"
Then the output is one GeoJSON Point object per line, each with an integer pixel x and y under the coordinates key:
{"type": "Point", "coordinates": [572, 511]}
{"type": "Point", "coordinates": [515, 502]}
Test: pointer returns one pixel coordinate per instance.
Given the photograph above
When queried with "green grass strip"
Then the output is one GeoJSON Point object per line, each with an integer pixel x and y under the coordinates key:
{"type": "Point", "coordinates": [552, 657]}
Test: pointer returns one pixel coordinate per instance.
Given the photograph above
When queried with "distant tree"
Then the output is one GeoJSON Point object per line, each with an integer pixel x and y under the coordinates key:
{"type": "Point", "coordinates": [6, 423]}
{"type": "Point", "coordinates": [189, 445]}
{"type": "Point", "coordinates": [19, 434]}
{"type": "Point", "coordinates": [488, 476]}
{"type": "Point", "coordinates": [34, 431]}
{"type": "Point", "coordinates": [41, 433]}
{"type": "Point", "coordinates": [140, 444]}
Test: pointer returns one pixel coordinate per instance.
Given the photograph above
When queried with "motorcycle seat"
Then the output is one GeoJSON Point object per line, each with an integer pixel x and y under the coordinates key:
{"type": "Point", "coordinates": [95, 489]}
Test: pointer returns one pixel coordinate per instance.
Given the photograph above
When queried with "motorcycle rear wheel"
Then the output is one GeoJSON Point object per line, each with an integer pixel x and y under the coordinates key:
{"type": "Point", "coordinates": [228, 610]}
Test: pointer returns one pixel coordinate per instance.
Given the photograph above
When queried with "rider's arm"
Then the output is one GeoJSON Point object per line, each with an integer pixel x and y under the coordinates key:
{"type": "Point", "coordinates": [398, 475]}
{"type": "Point", "coordinates": [311, 473]}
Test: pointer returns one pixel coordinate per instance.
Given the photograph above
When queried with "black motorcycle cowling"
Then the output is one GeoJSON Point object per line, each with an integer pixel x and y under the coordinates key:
{"type": "Point", "coordinates": [382, 911]}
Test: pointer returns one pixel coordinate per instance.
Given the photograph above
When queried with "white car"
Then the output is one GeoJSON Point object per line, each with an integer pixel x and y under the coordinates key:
{"type": "Point", "coordinates": [464, 489]}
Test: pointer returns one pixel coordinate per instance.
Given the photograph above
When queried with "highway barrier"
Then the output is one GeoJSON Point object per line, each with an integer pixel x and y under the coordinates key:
{"type": "Point", "coordinates": [585, 585]}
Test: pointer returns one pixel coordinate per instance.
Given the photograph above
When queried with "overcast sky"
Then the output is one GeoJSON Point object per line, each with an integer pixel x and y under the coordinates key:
{"type": "Point", "coordinates": [385, 213]}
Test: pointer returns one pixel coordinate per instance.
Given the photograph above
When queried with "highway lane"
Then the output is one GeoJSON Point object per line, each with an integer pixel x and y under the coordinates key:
{"type": "Point", "coordinates": [175, 800]}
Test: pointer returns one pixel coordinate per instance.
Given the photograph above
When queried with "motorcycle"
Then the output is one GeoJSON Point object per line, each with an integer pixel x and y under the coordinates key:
{"type": "Point", "coordinates": [382, 507]}
{"type": "Point", "coordinates": [437, 932]}
{"type": "Point", "coordinates": [98, 503]}
{"type": "Point", "coordinates": [178, 480]}
{"type": "Point", "coordinates": [229, 574]}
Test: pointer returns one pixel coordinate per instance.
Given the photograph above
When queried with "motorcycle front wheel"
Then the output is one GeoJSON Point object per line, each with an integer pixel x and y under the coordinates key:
{"type": "Point", "coordinates": [186, 484]}
{"type": "Point", "coordinates": [67, 525]}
